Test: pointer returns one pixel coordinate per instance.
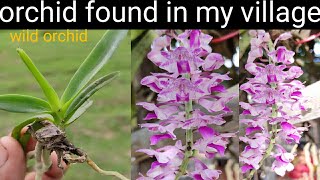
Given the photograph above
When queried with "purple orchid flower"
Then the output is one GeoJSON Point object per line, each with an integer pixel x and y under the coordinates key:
{"type": "Point", "coordinates": [188, 80]}
{"type": "Point", "coordinates": [282, 161]}
{"type": "Point", "coordinates": [273, 92]}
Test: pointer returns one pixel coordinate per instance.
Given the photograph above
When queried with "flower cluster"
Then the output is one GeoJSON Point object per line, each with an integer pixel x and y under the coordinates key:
{"type": "Point", "coordinates": [187, 95]}
{"type": "Point", "coordinates": [273, 92]}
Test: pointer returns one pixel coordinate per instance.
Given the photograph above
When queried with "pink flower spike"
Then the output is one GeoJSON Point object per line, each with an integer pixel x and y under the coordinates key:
{"type": "Point", "coordinates": [273, 92]}
{"type": "Point", "coordinates": [187, 84]}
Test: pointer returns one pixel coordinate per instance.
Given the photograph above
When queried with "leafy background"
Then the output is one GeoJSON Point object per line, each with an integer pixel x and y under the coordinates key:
{"type": "Point", "coordinates": [104, 130]}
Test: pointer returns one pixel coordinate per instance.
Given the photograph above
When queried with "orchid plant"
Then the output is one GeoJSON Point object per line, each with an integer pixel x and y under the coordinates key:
{"type": "Point", "coordinates": [276, 99]}
{"type": "Point", "coordinates": [188, 94]}
{"type": "Point", "coordinates": [56, 114]}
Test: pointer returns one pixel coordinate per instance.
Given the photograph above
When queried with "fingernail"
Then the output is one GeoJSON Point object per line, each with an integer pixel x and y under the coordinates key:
{"type": "Point", "coordinates": [3, 154]}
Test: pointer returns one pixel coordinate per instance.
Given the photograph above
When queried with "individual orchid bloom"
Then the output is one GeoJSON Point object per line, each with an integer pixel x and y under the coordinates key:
{"type": "Point", "coordinates": [215, 103]}
{"type": "Point", "coordinates": [202, 172]}
{"type": "Point", "coordinates": [155, 127]}
{"type": "Point", "coordinates": [165, 169]}
{"type": "Point", "coordinates": [212, 142]}
{"type": "Point", "coordinates": [161, 111]}
{"type": "Point", "coordinates": [180, 61]}
{"type": "Point", "coordinates": [252, 68]}
{"type": "Point", "coordinates": [165, 154]}
{"type": "Point", "coordinates": [200, 119]}
{"type": "Point", "coordinates": [282, 55]}
{"type": "Point", "coordinates": [154, 139]}
{"type": "Point", "coordinates": [254, 89]}
{"type": "Point", "coordinates": [282, 161]}
{"type": "Point", "coordinates": [210, 83]}
{"type": "Point", "coordinates": [180, 90]}
{"type": "Point", "coordinates": [258, 44]}
{"type": "Point", "coordinates": [283, 37]}
{"type": "Point", "coordinates": [159, 44]}
{"type": "Point", "coordinates": [158, 81]}
{"type": "Point", "coordinates": [266, 95]}
{"type": "Point", "coordinates": [159, 171]}
{"type": "Point", "coordinates": [251, 157]}
{"type": "Point", "coordinates": [257, 122]}
{"type": "Point", "coordinates": [273, 92]}
{"type": "Point", "coordinates": [213, 61]}
{"type": "Point", "coordinates": [294, 72]}
{"type": "Point", "coordinates": [259, 140]}
{"type": "Point", "coordinates": [197, 41]}
{"type": "Point", "coordinates": [290, 133]}
{"type": "Point", "coordinates": [255, 109]}
{"type": "Point", "coordinates": [271, 74]}
{"type": "Point", "coordinates": [188, 94]}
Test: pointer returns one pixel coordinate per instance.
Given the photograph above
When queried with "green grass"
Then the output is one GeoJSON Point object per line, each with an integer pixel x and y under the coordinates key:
{"type": "Point", "coordinates": [104, 131]}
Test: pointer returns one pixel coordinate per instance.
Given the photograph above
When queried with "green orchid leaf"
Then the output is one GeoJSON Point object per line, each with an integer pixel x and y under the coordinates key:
{"type": "Point", "coordinates": [84, 95]}
{"type": "Point", "coordinates": [93, 63]}
{"type": "Point", "coordinates": [17, 130]}
{"type": "Point", "coordinates": [47, 89]}
{"type": "Point", "coordinates": [23, 104]}
{"type": "Point", "coordinates": [79, 112]}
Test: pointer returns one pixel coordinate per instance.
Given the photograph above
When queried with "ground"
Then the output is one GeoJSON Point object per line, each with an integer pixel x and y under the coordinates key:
{"type": "Point", "coordinates": [104, 131]}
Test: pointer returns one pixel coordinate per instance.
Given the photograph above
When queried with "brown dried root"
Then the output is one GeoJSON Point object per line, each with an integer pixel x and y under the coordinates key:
{"type": "Point", "coordinates": [50, 138]}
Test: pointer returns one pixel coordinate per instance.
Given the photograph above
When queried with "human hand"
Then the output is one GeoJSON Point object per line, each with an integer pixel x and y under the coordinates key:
{"type": "Point", "coordinates": [13, 162]}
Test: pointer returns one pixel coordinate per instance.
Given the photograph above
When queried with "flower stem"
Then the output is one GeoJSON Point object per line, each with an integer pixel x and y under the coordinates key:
{"type": "Point", "coordinates": [189, 143]}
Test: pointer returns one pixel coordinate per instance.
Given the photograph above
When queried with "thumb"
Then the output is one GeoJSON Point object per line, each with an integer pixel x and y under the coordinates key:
{"type": "Point", "coordinates": [12, 159]}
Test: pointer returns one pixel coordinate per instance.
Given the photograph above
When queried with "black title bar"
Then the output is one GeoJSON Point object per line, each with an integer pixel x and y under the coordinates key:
{"type": "Point", "coordinates": [135, 14]}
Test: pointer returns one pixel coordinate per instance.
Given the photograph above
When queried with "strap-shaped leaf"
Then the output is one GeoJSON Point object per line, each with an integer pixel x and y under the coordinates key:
{"type": "Point", "coordinates": [47, 89]}
{"type": "Point", "coordinates": [23, 104]}
{"type": "Point", "coordinates": [94, 62]}
{"type": "Point", "coordinates": [16, 132]}
{"type": "Point", "coordinates": [84, 95]}
{"type": "Point", "coordinates": [82, 109]}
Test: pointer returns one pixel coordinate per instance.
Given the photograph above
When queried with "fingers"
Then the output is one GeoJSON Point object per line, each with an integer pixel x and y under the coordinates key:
{"type": "Point", "coordinates": [12, 159]}
{"type": "Point", "coordinates": [54, 173]}
{"type": "Point", "coordinates": [31, 143]}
